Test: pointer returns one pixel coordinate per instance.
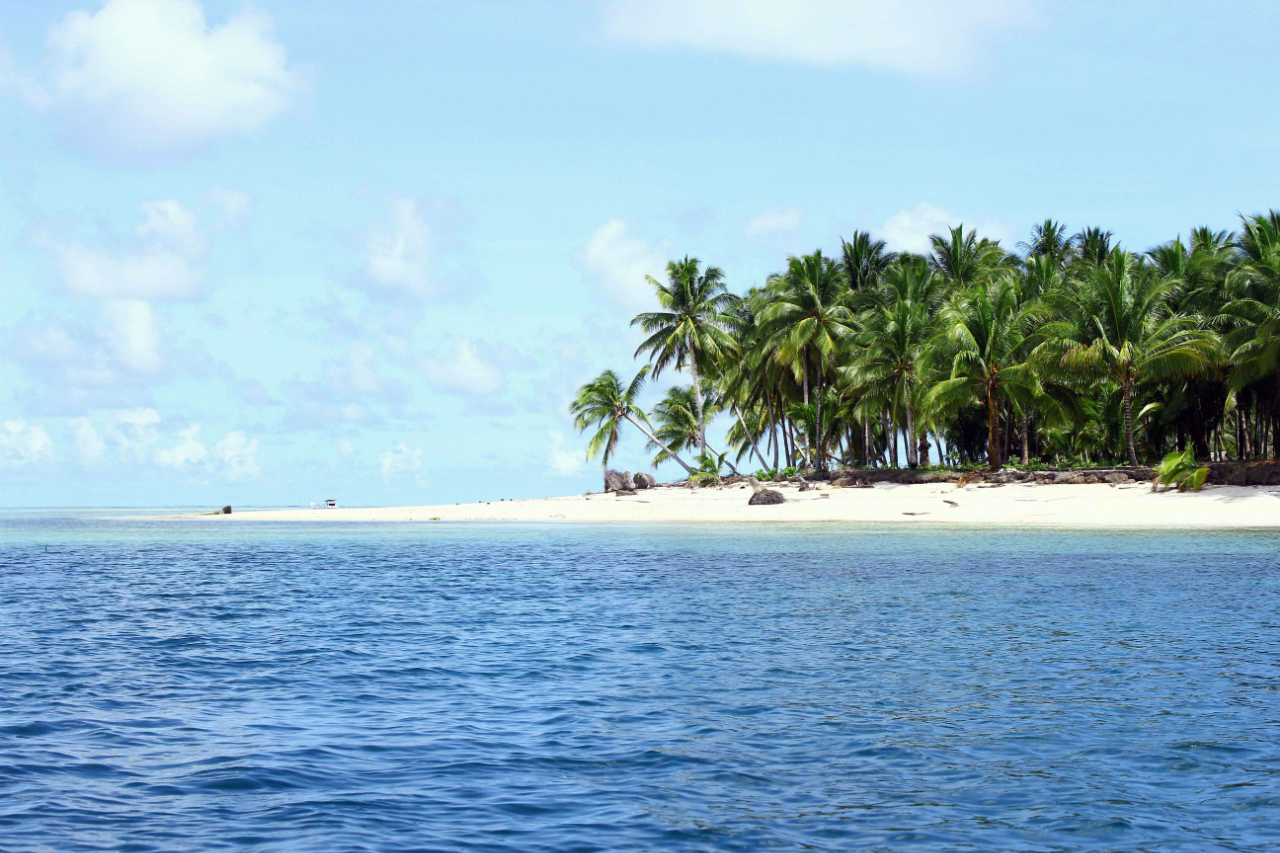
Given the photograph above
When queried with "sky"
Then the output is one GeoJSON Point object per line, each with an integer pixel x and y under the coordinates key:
{"type": "Point", "coordinates": [275, 253]}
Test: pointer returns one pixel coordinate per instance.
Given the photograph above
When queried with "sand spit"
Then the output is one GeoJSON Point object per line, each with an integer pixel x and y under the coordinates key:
{"type": "Point", "coordinates": [1099, 505]}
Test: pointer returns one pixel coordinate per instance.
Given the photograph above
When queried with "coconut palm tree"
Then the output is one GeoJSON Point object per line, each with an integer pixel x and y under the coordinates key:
{"type": "Point", "coordinates": [809, 319]}
{"type": "Point", "coordinates": [692, 329]}
{"type": "Point", "coordinates": [983, 339]}
{"type": "Point", "coordinates": [1255, 309]}
{"type": "Point", "coordinates": [963, 259]}
{"type": "Point", "coordinates": [891, 353]}
{"type": "Point", "coordinates": [676, 417]}
{"type": "Point", "coordinates": [864, 260]}
{"type": "Point", "coordinates": [604, 403]}
{"type": "Point", "coordinates": [1119, 328]}
{"type": "Point", "coordinates": [1049, 241]}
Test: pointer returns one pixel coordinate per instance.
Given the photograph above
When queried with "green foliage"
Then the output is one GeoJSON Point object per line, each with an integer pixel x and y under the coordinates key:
{"type": "Point", "coordinates": [765, 476]}
{"type": "Point", "coordinates": [709, 471]}
{"type": "Point", "coordinates": [1073, 351]}
{"type": "Point", "coordinates": [1180, 469]}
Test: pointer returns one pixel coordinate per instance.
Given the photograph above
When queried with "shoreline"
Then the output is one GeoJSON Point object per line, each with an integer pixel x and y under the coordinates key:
{"type": "Point", "coordinates": [1131, 505]}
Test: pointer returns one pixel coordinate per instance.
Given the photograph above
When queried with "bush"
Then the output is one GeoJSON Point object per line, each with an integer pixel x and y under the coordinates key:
{"type": "Point", "coordinates": [765, 476]}
{"type": "Point", "coordinates": [1179, 469]}
{"type": "Point", "coordinates": [789, 471]}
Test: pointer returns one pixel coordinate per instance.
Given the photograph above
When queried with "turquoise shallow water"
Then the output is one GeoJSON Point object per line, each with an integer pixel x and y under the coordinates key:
{"type": "Point", "coordinates": [174, 686]}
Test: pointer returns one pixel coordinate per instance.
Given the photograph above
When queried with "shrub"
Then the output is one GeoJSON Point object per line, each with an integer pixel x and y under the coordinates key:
{"type": "Point", "coordinates": [1179, 469]}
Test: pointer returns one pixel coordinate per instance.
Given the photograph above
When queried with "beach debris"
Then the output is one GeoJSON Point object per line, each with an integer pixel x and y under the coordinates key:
{"type": "Point", "coordinates": [760, 496]}
{"type": "Point", "coordinates": [804, 484]}
{"type": "Point", "coordinates": [645, 481]}
{"type": "Point", "coordinates": [618, 480]}
{"type": "Point", "coordinates": [915, 513]}
{"type": "Point", "coordinates": [966, 479]}
{"type": "Point", "coordinates": [949, 503]}
{"type": "Point", "coordinates": [621, 493]}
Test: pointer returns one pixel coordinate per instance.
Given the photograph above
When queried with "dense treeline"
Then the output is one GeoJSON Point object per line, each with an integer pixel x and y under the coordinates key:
{"type": "Point", "coordinates": [1069, 351]}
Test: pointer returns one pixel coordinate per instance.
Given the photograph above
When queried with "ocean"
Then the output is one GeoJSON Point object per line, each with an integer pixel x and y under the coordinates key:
{"type": "Point", "coordinates": [190, 686]}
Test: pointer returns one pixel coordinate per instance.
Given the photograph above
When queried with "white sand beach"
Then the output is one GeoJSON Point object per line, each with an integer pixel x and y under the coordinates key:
{"type": "Point", "coordinates": [1127, 505]}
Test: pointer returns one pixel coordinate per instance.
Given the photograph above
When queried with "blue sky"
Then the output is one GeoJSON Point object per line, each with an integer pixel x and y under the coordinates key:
{"type": "Point", "coordinates": [281, 252]}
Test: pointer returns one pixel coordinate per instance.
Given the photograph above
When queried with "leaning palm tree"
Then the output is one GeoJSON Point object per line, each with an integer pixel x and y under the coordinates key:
{"type": "Point", "coordinates": [676, 419]}
{"type": "Point", "coordinates": [605, 402]}
{"type": "Point", "coordinates": [1119, 328]}
{"type": "Point", "coordinates": [983, 339]}
{"type": "Point", "coordinates": [809, 319]}
{"type": "Point", "coordinates": [692, 330]}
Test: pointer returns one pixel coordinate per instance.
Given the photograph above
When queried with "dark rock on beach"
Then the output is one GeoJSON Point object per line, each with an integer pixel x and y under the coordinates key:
{"type": "Point", "coordinates": [645, 481]}
{"type": "Point", "coordinates": [615, 481]}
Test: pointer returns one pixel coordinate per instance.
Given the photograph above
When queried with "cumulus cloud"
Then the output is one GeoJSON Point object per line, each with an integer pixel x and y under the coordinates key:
{"type": "Point", "coordinates": [563, 461]}
{"type": "Point", "coordinates": [618, 264]}
{"type": "Point", "coordinates": [773, 224]}
{"type": "Point", "coordinates": [89, 442]}
{"type": "Point", "coordinates": [467, 373]}
{"type": "Point", "coordinates": [133, 432]}
{"type": "Point", "coordinates": [236, 456]}
{"type": "Point", "coordinates": [159, 267]}
{"type": "Point", "coordinates": [132, 335]}
{"type": "Point", "coordinates": [236, 205]}
{"type": "Point", "coordinates": [400, 461]}
{"type": "Point", "coordinates": [922, 38]}
{"type": "Point", "coordinates": [22, 444]}
{"type": "Point", "coordinates": [909, 230]}
{"type": "Point", "coordinates": [398, 251]}
{"type": "Point", "coordinates": [147, 77]}
{"type": "Point", "coordinates": [188, 451]}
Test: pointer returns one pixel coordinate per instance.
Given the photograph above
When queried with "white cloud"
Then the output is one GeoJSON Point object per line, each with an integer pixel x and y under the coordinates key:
{"type": "Point", "coordinates": [153, 273]}
{"type": "Point", "coordinates": [133, 431]}
{"type": "Point", "coordinates": [168, 222]}
{"type": "Point", "coordinates": [132, 335]}
{"type": "Point", "coordinates": [145, 77]}
{"type": "Point", "coordinates": [922, 38]}
{"type": "Point", "coordinates": [88, 441]}
{"type": "Point", "coordinates": [564, 461]}
{"type": "Point", "coordinates": [618, 263]}
{"type": "Point", "coordinates": [909, 230]}
{"type": "Point", "coordinates": [774, 224]}
{"type": "Point", "coordinates": [466, 373]}
{"type": "Point", "coordinates": [236, 205]}
{"type": "Point", "coordinates": [159, 268]}
{"type": "Point", "coordinates": [236, 456]}
{"type": "Point", "coordinates": [22, 443]}
{"type": "Point", "coordinates": [188, 451]}
{"type": "Point", "coordinates": [398, 251]}
{"type": "Point", "coordinates": [400, 461]}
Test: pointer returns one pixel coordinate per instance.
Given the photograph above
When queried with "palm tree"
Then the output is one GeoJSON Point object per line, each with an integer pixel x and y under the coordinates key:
{"type": "Point", "coordinates": [963, 259]}
{"type": "Point", "coordinates": [1255, 343]}
{"type": "Point", "coordinates": [984, 337]}
{"type": "Point", "coordinates": [676, 415]}
{"type": "Point", "coordinates": [692, 329]}
{"type": "Point", "coordinates": [864, 260]}
{"type": "Point", "coordinates": [1119, 327]}
{"type": "Point", "coordinates": [896, 322]}
{"type": "Point", "coordinates": [1049, 240]}
{"type": "Point", "coordinates": [605, 403]}
{"type": "Point", "coordinates": [809, 319]}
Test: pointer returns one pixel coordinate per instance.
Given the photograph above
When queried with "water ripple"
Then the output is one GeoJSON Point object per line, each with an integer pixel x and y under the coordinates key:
{"type": "Point", "coordinates": [174, 687]}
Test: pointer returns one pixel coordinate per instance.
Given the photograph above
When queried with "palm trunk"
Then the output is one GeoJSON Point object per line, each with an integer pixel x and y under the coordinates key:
{"type": "Point", "coordinates": [671, 453]}
{"type": "Point", "coordinates": [866, 443]}
{"type": "Point", "coordinates": [1128, 423]}
{"type": "Point", "coordinates": [732, 467]}
{"type": "Point", "coordinates": [993, 431]}
{"type": "Point", "coordinates": [893, 420]}
{"type": "Point", "coordinates": [697, 395]}
{"type": "Point", "coordinates": [750, 437]}
{"type": "Point", "coordinates": [912, 460]}
{"type": "Point", "coordinates": [820, 458]}
{"type": "Point", "coordinates": [773, 425]}
{"type": "Point", "coordinates": [1026, 440]}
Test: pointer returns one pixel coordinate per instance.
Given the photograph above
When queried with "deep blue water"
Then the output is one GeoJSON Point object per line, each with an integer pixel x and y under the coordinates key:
{"type": "Point", "coordinates": [173, 686]}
